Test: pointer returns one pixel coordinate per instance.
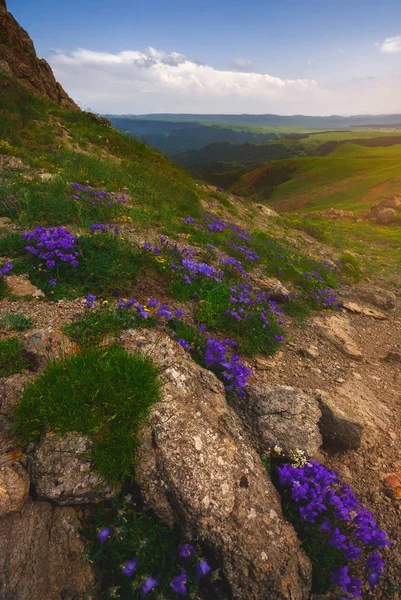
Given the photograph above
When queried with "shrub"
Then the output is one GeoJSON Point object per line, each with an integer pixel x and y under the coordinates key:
{"type": "Point", "coordinates": [12, 357]}
{"type": "Point", "coordinates": [103, 393]}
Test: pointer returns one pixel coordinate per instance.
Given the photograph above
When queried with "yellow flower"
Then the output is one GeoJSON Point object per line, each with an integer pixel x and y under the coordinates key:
{"type": "Point", "coordinates": [105, 302]}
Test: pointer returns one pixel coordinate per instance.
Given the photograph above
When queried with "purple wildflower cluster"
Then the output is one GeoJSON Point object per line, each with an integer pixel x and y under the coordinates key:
{"type": "Point", "coordinates": [87, 194]}
{"type": "Point", "coordinates": [10, 205]}
{"type": "Point", "coordinates": [349, 527]}
{"type": "Point", "coordinates": [234, 372]}
{"type": "Point", "coordinates": [185, 261]}
{"type": "Point", "coordinates": [178, 583]}
{"type": "Point", "coordinates": [102, 228]}
{"type": "Point", "coordinates": [153, 308]}
{"type": "Point", "coordinates": [247, 302]}
{"type": "Point", "coordinates": [213, 224]}
{"type": "Point", "coordinates": [6, 268]}
{"type": "Point", "coordinates": [55, 245]}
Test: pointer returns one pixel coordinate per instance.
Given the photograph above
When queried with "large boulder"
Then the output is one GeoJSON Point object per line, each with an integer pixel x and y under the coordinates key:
{"type": "Point", "coordinates": [197, 468]}
{"type": "Point", "coordinates": [278, 415]}
{"type": "Point", "coordinates": [42, 555]}
{"type": "Point", "coordinates": [340, 430]}
{"type": "Point", "coordinates": [61, 471]}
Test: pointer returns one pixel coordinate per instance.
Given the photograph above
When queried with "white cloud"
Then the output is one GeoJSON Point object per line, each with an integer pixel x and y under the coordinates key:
{"type": "Point", "coordinates": [134, 81]}
{"type": "Point", "coordinates": [391, 45]}
{"type": "Point", "coordinates": [242, 64]}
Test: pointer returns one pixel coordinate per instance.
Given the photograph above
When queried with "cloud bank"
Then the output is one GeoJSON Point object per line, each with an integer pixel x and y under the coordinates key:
{"type": "Point", "coordinates": [391, 45]}
{"type": "Point", "coordinates": [136, 81]}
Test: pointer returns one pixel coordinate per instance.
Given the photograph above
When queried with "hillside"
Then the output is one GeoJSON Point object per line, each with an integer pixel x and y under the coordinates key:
{"type": "Point", "coordinates": [184, 372]}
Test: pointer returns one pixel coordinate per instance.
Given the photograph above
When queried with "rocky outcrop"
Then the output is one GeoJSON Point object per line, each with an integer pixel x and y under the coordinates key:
{"type": "Point", "coordinates": [61, 471]}
{"type": "Point", "coordinates": [42, 555]}
{"type": "Point", "coordinates": [18, 60]}
{"type": "Point", "coordinates": [366, 311]}
{"type": "Point", "coordinates": [375, 295]}
{"type": "Point", "coordinates": [278, 415]}
{"type": "Point", "coordinates": [338, 330]}
{"type": "Point", "coordinates": [196, 468]}
{"type": "Point", "coordinates": [339, 428]}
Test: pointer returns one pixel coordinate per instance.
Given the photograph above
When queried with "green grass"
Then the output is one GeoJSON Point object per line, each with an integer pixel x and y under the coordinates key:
{"type": "Point", "coordinates": [12, 357]}
{"type": "Point", "coordinates": [93, 327]}
{"type": "Point", "coordinates": [16, 321]}
{"type": "Point", "coordinates": [103, 393]}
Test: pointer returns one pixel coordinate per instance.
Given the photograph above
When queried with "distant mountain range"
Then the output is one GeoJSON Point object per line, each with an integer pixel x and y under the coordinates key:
{"type": "Point", "coordinates": [330, 122]}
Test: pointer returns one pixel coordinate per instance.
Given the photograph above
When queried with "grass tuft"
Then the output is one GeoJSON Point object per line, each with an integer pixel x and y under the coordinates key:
{"type": "Point", "coordinates": [104, 393]}
{"type": "Point", "coordinates": [12, 357]}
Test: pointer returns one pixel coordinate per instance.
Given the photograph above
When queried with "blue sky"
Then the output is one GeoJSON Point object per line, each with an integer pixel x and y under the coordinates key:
{"type": "Point", "coordinates": [314, 56]}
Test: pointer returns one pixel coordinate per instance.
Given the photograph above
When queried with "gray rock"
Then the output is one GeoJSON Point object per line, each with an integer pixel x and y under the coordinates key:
{"type": "Point", "coordinates": [14, 480]}
{"type": "Point", "coordinates": [278, 415]}
{"type": "Point", "coordinates": [266, 211]}
{"type": "Point", "coordinates": [273, 287]}
{"type": "Point", "coordinates": [61, 471]}
{"type": "Point", "coordinates": [340, 431]}
{"type": "Point", "coordinates": [197, 468]}
{"type": "Point", "coordinates": [11, 389]}
{"type": "Point", "coordinates": [42, 555]}
{"type": "Point", "coordinates": [338, 330]}
{"type": "Point", "coordinates": [311, 352]}
{"type": "Point", "coordinates": [49, 344]}
{"type": "Point", "coordinates": [386, 216]}
{"type": "Point", "coordinates": [376, 295]}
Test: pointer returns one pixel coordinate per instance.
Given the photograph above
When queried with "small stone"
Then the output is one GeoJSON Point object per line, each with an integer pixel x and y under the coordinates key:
{"type": "Point", "coordinates": [5, 222]}
{"type": "Point", "coordinates": [357, 376]}
{"type": "Point", "coordinates": [14, 485]}
{"type": "Point", "coordinates": [311, 352]}
{"type": "Point", "coordinates": [394, 356]}
{"type": "Point", "coordinates": [338, 330]}
{"type": "Point", "coordinates": [273, 287]}
{"type": "Point", "coordinates": [392, 485]}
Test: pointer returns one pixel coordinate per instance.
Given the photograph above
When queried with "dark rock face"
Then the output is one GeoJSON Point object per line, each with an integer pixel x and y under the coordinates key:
{"type": "Point", "coordinates": [41, 555]}
{"type": "Point", "coordinates": [18, 59]}
{"type": "Point", "coordinates": [341, 431]}
{"type": "Point", "coordinates": [197, 468]}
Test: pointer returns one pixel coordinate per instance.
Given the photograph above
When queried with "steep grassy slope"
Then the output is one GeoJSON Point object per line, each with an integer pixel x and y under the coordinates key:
{"type": "Point", "coordinates": [352, 177]}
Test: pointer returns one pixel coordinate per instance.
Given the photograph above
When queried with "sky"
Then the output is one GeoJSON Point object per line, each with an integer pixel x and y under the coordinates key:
{"type": "Point", "coordinates": [313, 57]}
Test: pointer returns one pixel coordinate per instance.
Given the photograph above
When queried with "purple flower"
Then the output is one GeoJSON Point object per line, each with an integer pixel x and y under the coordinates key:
{"type": "Point", "coordinates": [184, 343]}
{"type": "Point", "coordinates": [6, 268]}
{"type": "Point", "coordinates": [375, 562]}
{"type": "Point", "coordinates": [178, 584]}
{"type": "Point", "coordinates": [52, 282]}
{"type": "Point", "coordinates": [341, 577]}
{"type": "Point", "coordinates": [337, 539]}
{"type": "Point", "coordinates": [354, 587]}
{"type": "Point", "coordinates": [202, 568]}
{"type": "Point", "coordinates": [147, 246]}
{"type": "Point", "coordinates": [186, 551]}
{"type": "Point", "coordinates": [179, 313]}
{"type": "Point", "coordinates": [104, 534]}
{"type": "Point", "coordinates": [147, 586]}
{"type": "Point", "coordinates": [352, 552]}
{"type": "Point", "coordinates": [129, 567]}
{"type": "Point", "coordinates": [152, 302]}
{"type": "Point", "coordinates": [373, 578]}
{"type": "Point", "coordinates": [90, 298]}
